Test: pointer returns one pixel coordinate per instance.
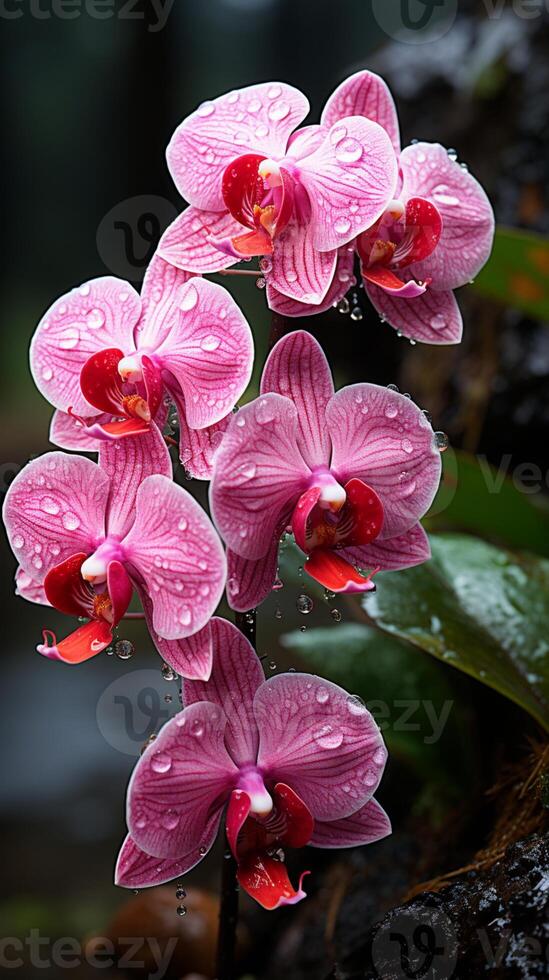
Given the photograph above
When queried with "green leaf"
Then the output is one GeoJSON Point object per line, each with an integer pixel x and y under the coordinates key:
{"type": "Point", "coordinates": [476, 497]}
{"type": "Point", "coordinates": [412, 698]}
{"type": "Point", "coordinates": [517, 272]}
{"type": "Point", "coordinates": [483, 610]}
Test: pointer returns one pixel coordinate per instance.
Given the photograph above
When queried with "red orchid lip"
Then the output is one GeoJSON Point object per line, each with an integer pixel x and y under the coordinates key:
{"type": "Point", "coordinates": [133, 403]}
{"type": "Point", "coordinates": [264, 210]}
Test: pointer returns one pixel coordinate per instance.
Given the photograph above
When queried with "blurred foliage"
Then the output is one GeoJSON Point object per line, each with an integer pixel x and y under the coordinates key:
{"type": "Point", "coordinates": [476, 497]}
{"type": "Point", "coordinates": [423, 722]}
{"type": "Point", "coordinates": [480, 609]}
{"type": "Point", "coordinates": [518, 272]}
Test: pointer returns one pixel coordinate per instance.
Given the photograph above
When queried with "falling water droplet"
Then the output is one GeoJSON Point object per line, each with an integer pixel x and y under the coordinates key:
{"type": "Point", "coordinates": [304, 604]}
{"type": "Point", "coordinates": [441, 441]}
{"type": "Point", "coordinates": [124, 649]}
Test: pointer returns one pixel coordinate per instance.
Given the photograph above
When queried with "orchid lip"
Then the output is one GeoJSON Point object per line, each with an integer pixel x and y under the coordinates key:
{"type": "Point", "coordinates": [251, 783]}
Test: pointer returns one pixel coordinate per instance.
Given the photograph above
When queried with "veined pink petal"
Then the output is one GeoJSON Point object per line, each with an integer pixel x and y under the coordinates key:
{"type": "Point", "coordinates": [402, 551]}
{"type": "Point", "coordinates": [174, 548]}
{"type": "Point", "coordinates": [54, 508]}
{"type": "Point", "coordinates": [467, 215]}
{"type": "Point", "coordinates": [305, 141]}
{"type": "Point", "coordinates": [382, 438]}
{"type": "Point", "coordinates": [258, 119]}
{"type": "Point", "coordinates": [342, 281]}
{"type": "Point", "coordinates": [164, 287]}
{"type": "Point", "coordinates": [259, 474]}
{"type": "Point", "coordinates": [350, 179]}
{"type": "Point", "coordinates": [30, 588]}
{"type": "Point", "coordinates": [209, 352]}
{"type": "Point", "coordinates": [367, 825]}
{"type": "Point", "coordinates": [191, 656]}
{"type": "Point", "coordinates": [181, 783]}
{"type": "Point", "coordinates": [68, 432]}
{"type": "Point", "coordinates": [197, 447]}
{"type": "Point", "coordinates": [299, 270]}
{"type": "Point", "coordinates": [235, 678]}
{"type": "Point", "coordinates": [297, 368]}
{"type": "Point", "coordinates": [100, 313]}
{"type": "Point", "coordinates": [128, 462]}
{"type": "Point", "coordinates": [137, 869]}
{"type": "Point", "coordinates": [320, 741]}
{"type": "Point", "coordinates": [189, 242]}
{"type": "Point", "coordinates": [364, 94]}
{"type": "Point", "coordinates": [250, 581]}
{"type": "Point", "coordinates": [433, 318]}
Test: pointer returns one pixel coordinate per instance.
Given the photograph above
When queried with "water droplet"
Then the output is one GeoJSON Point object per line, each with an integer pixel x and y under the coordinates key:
{"type": "Point", "coordinates": [348, 150]}
{"type": "Point", "coordinates": [343, 306]}
{"type": "Point", "coordinates": [189, 300]}
{"type": "Point", "coordinates": [278, 584]}
{"type": "Point", "coordinates": [47, 374]}
{"type": "Point", "coordinates": [210, 342]}
{"type": "Point", "coordinates": [185, 616]}
{"type": "Point", "coordinates": [327, 737]}
{"type": "Point", "coordinates": [70, 521]}
{"type": "Point", "coordinates": [338, 133]}
{"type": "Point", "coordinates": [233, 586]}
{"type": "Point", "coordinates": [438, 322]}
{"type": "Point", "coordinates": [265, 411]}
{"type": "Point", "coordinates": [69, 338]}
{"type": "Point", "coordinates": [391, 411]}
{"type": "Point", "coordinates": [453, 154]}
{"type": "Point", "coordinates": [407, 446]}
{"type": "Point", "coordinates": [180, 893]}
{"type": "Point", "coordinates": [304, 604]}
{"type": "Point", "coordinates": [49, 505]}
{"type": "Point", "coordinates": [441, 441]}
{"type": "Point", "coordinates": [18, 541]}
{"type": "Point", "coordinates": [336, 615]}
{"type": "Point", "coordinates": [197, 728]}
{"type": "Point", "coordinates": [355, 705]}
{"type": "Point", "coordinates": [181, 910]}
{"type": "Point", "coordinates": [323, 695]}
{"type": "Point", "coordinates": [248, 470]}
{"type": "Point", "coordinates": [202, 851]}
{"type": "Point", "coordinates": [182, 524]}
{"type": "Point", "coordinates": [342, 225]}
{"type": "Point", "coordinates": [380, 756]}
{"type": "Point", "coordinates": [272, 665]}
{"type": "Point", "coordinates": [205, 109]}
{"type": "Point", "coordinates": [124, 649]}
{"type": "Point", "coordinates": [161, 762]}
{"type": "Point", "coordinates": [357, 314]}
{"type": "Point", "coordinates": [274, 91]}
{"type": "Point", "coordinates": [96, 318]}
{"type": "Point", "coordinates": [168, 673]}
{"type": "Point", "coordinates": [169, 819]}
{"type": "Point", "coordinates": [278, 111]}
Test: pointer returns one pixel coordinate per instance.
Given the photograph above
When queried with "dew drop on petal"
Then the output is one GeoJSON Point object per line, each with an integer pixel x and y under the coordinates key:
{"type": "Point", "coordinates": [210, 342]}
{"type": "Point", "coordinates": [337, 134]}
{"type": "Point", "coordinates": [49, 505]}
{"type": "Point", "coordinates": [161, 762]}
{"type": "Point", "coordinates": [205, 109]}
{"type": "Point", "coordinates": [18, 541]}
{"type": "Point", "coordinates": [342, 225]}
{"type": "Point", "coordinates": [189, 300]}
{"type": "Point", "coordinates": [326, 737]}
{"type": "Point", "coordinates": [355, 705]}
{"type": "Point", "coordinates": [69, 338]}
{"type": "Point", "coordinates": [278, 111]}
{"type": "Point", "coordinates": [438, 322]}
{"type": "Point", "coordinates": [274, 91]}
{"type": "Point", "coordinates": [70, 521]}
{"type": "Point", "coordinates": [323, 695]}
{"type": "Point", "coordinates": [96, 318]}
{"type": "Point", "coordinates": [348, 150]}
{"type": "Point", "coordinates": [169, 819]}
{"type": "Point", "coordinates": [391, 411]}
{"type": "Point", "coordinates": [47, 374]}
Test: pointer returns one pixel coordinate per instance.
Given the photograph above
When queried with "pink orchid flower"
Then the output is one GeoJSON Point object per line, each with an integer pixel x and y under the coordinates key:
{"type": "Point", "coordinates": [295, 759]}
{"type": "Point", "coordinates": [433, 238]}
{"type": "Point", "coordinates": [103, 348]}
{"type": "Point", "coordinates": [349, 473]}
{"type": "Point", "coordinates": [257, 188]}
{"type": "Point", "coordinates": [87, 534]}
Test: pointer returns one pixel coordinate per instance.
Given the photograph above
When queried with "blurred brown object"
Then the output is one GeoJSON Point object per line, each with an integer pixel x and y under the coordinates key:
{"type": "Point", "coordinates": [152, 914]}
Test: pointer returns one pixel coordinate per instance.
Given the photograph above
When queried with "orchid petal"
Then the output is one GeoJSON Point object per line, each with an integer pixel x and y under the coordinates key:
{"type": "Point", "coordinates": [137, 869]}
{"type": "Point", "coordinates": [30, 588]}
{"type": "Point", "coordinates": [249, 582]}
{"type": "Point", "coordinates": [367, 825]}
{"type": "Point", "coordinates": [191, 656]}
{"type": "Point", "coordinates": [174, 548]}
{"type": "Point", "coordinates": [258, 476]}
{"type": "Point", "coordinates": [69, 432]}
{"type": "Point", "coordinates": [306, 140]}
{"type": "Point", "coordinates": [433, 318]}
{"type": "Point", "coordinates": [364, 94]}
{"type": "Point", "coordinates": [189, 242]}
{"type": "Point", "coordinates": [54, 508]}
{"type": "Point", "coordinates": [163, 289]}
{"type": "Point", "coordinates": [467, 215]}
{"type": "Point", "coordinates": [299, 270]}
{"type": "Point", "coordinates": [350, 179]}
{"type": "Point", "coordinates": [320, 741]}
{"type": "Point", "coordinates": [128, 462]}
{"type": "Point", "coordinates": [342, 281]}
{"type": "Point", "coordinates": [382, 438]}
{"type": "Point", "coordinates": [402, 551]}
{"type": "Point", "coordinates": [258, 119]}
{"type": "Point", "coordinates": [297, 368]}
{"type": "Point", "coordinates": [180, 783]}
{"type": "Point", "coordinates": [235, 678]}
{"type": "Point", "coordinates": [86, 642]}
{"type": "Point", "coordinates": [197, 447]}
{"type": "Point", "coordinates": [209, 352]}
{"type": "Point", "coordinates": [101, 313]}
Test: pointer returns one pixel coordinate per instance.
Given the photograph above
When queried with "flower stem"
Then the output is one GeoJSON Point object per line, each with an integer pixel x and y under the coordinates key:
{"type": "Point", "coordinates": [228, 919]}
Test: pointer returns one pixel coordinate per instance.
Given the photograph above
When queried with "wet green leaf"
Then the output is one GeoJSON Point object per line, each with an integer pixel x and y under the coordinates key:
{"type": "Point", "coordinates": [517, 273]}
{"type": "Point", "coordinates": [481, 609]}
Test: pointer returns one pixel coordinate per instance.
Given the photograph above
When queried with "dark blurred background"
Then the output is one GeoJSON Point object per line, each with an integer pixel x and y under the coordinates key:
{"type": "Point", "coordinates": [92, 94]}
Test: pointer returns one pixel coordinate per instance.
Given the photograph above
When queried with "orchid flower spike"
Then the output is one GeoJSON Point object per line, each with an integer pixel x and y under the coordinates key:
{"type": "Point", "coordinates": [292, 760]}
{"type": "Point", "coordinates": [349, 473]}
{"type": "Point", "coordinates": [435, 236]}
{"type": "Point", "coordinates": [104, 349]}
{"type": "Point", "coordinates": [257, 188]}
{"type": "Point", "coordinates": [87, 534]}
